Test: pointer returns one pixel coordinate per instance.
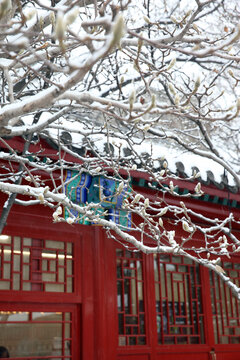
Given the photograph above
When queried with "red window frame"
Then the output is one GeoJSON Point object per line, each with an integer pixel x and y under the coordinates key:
{"type": "Point", "coordinates": [37, 265]}
{"type": "Point", "coordinates": [225, 307]}
{"type": "Point", "coordinates": [131, 304]}
{"type": "Point", "coordinates": [37, 299]}
{"type": "Point", "coordinates": [178, 294]}
{"type": "Point", "coordinates": [66, 308]}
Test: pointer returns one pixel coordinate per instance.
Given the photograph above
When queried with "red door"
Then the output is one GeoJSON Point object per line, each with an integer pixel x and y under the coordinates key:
{"type": "Point", "coordinates": [170, 308]}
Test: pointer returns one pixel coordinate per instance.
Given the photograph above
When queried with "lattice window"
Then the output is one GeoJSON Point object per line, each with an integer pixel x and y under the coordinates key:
{"type": "Point", "coordinates": [36, 334]}
{"type": "Point", "coordinates": [225, 307]}
{"type": "Point", "coordinates": [178, 300]}
{"type": "Point", "coordinates": [130, 298]}
{"type": "Point", "coordinates": [39, 265]}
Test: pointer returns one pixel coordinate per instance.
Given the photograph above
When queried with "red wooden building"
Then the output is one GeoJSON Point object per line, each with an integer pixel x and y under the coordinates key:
{"type": "Point", "coordinates": [68, 292]}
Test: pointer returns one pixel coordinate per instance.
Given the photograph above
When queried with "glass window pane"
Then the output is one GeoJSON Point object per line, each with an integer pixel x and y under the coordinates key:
{"type": "Point", "coordinates": [54, 244]}
{"type": "Point", "coordinates": [5, 239]}
{"type": "Point", "coordinates": [17, 243]}
{"type": "Point", "coordinates": [27, 241]}
{"type": "Point", "coordinates": [39, 334]}
{"type": "Point", "coordinates": [4, 285]}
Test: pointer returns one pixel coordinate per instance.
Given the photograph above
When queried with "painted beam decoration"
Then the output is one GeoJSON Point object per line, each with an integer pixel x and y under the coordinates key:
{"type": "Point", "coordinates": [85, 189]}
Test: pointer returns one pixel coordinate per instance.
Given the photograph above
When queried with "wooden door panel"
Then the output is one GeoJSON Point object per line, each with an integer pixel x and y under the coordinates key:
{"type": "Point", "coordinates": [227, 355]}
{"type": "Point", "coordinates": [184, 356]}
{"type": "Point", "coordinates": [135, 357]}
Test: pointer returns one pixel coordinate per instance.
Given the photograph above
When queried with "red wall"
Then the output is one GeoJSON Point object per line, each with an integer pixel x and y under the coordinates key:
{"type": "Point", "coordinates": [96, 327]}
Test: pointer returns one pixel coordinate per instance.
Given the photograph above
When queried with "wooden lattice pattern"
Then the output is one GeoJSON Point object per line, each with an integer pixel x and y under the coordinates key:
{"type": "Point", "coordinates": [130, 292]}
{"type": "Point", "coordinates": [178, 294]}
{"type": "Point", "coordinates": [225, 307]}
{"type": "Point", "coordinates": [36, 265]}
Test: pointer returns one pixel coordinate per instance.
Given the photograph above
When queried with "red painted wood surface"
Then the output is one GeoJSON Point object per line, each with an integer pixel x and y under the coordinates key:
{"type": "Point", "coordinates": [94, 300]}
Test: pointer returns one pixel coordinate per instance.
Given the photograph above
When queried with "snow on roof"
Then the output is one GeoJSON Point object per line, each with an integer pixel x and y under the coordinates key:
{"type": "Point", "coordinates": [180, 162]}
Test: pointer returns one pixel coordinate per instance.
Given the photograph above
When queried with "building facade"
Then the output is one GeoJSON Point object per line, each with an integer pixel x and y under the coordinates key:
{"type": "Point", "coordinates": [68, 292]}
